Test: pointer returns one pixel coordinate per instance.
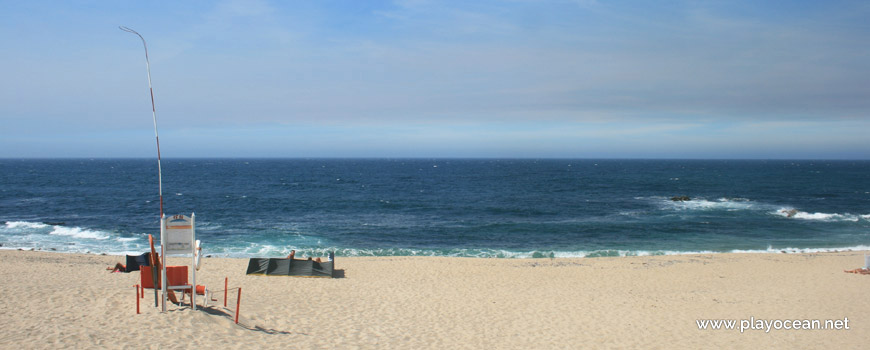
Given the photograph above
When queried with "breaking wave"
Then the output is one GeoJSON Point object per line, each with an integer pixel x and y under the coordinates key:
{"type": "Point", "coordinates": [744, 204]}
{"type": "Point", "coordinates": [57, 237]}
{"type": "Point", "coordinates": [729, 204]}
{"type": "Point", "coordinates": [78, 232]}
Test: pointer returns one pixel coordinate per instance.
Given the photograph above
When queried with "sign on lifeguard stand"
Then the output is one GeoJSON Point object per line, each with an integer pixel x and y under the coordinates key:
{"type": "Point", "coordinates": [178, 238]}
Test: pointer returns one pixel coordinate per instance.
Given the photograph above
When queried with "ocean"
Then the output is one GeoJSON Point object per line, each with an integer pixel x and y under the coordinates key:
{"type": "Point", "coordinates": [504, 208]}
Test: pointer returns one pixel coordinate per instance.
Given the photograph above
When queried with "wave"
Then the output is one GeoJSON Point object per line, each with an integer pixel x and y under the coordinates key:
{"type": "Point", "coordinates": [78, 232]}
{"type": "Point", "coordinates": [626, 253]}
{"type": "Point", "coordinates": [57, 237]}
{"type": "Point", "coordinates": [25, 225]}
{"type": "Point", "coordinates": [739, 204]}
{"type": "Point", "coordinates": [124, 246]}
{"type": "Point", "coordinates": [790, 250]}
{"type": "Point", "coordinates": [30, 228]}
{"type": "Point", "coordinates": [792, 213]}
{"type": "Point", "coordinates": [728, 204]}
{"type": "Point", "coordinates": [272, 251]}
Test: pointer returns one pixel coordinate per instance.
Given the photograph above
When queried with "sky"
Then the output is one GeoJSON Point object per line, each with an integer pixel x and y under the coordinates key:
{"type": "Point", "coordinates": [421, 79]}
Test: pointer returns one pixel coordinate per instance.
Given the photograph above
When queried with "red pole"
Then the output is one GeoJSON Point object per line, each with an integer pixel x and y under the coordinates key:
{"type": "Point", "coordinates": [226, 279]}
{"type": "Point", "coordinates": [239, 301]}
{"type": "Point", "coordinates": [137, 299]}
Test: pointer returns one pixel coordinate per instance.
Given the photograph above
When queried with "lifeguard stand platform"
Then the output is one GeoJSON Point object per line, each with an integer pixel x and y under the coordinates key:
{"type": "Point", "coordinates": [178, 238]}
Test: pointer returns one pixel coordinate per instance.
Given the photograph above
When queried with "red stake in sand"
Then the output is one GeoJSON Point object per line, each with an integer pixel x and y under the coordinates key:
{"type": "Point", "coordinates": [239, 301]}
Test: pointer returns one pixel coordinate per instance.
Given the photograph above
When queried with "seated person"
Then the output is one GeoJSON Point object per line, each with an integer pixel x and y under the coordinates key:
{"type": "Point", "coordinates": [293, 256]}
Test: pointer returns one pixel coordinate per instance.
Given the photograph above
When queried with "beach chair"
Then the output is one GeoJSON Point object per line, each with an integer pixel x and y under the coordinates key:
{"type": "Point", "coordinates": [150, 274]}
{"type": "Point", "coordinates": [207, 295]}
{"type": "Point", "coordinates": [176, 276]}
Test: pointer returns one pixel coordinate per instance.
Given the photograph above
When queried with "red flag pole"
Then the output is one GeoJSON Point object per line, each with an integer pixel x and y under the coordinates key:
{"type": "Point", "coordinates": [156, 136]}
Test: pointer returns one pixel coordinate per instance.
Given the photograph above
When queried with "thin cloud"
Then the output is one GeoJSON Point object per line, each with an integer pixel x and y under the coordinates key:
{"type": "Point", "coordinates": [594, 75]}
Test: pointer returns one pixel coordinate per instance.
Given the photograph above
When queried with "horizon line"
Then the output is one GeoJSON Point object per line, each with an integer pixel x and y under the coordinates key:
{"type": "Point", "coordinates": [421, 158]}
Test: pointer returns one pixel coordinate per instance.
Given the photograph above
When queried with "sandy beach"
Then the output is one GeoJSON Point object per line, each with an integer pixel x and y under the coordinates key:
{"type": "Point", "coordinates": [57, 300]}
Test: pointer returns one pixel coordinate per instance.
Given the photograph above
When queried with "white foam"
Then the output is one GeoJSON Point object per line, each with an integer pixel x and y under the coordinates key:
{"type": "Point", "coordinates": [208, 225]}
{"type": "Point", "coordinates": [497, 253]}
{"type": "Point", "coordinates": [78, 232]}
{"type": "Point", "coordinates": [825, 217]}
{"type": "Point", "coordinates": [25, 224]}
{"type": "Point", "coordinates": [625, 253]}
{"type": "Point", "coordinates": [731, 204]}
{"type": "Point", "coordinates": [790, 250]}
{"type": "Point", "coordinates": [792, 213]}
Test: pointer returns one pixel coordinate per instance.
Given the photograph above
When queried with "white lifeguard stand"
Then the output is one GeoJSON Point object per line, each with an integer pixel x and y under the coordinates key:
{"type": "Point", "coordinates": [178, 238]}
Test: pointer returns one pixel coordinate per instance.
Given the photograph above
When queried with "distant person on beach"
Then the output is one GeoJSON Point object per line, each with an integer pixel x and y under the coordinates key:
{"type": "Point", "coordinates": [293, 256]}
{"type": "Point", "coordinates": [119, 267]}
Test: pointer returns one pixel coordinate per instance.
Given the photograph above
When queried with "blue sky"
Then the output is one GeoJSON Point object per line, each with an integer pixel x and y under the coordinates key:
{"type": "Point", "coordinates": [417, 78]}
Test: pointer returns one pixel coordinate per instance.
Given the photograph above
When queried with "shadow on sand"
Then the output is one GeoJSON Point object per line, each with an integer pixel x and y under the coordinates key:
{"type": "Point", "coordinates": [229, 315]}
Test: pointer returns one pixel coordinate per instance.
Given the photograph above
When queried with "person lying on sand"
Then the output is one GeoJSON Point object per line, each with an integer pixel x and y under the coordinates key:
{"type": "Point", "coordinates": [119, 267]}
{"type": "Point", "coordinates": [859, 271]}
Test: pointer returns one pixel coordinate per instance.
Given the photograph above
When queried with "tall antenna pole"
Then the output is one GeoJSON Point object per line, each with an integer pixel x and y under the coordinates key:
{"type": "Point", "coordinates": [159, 171]}
{"type": "Point", "coordinates": [153, 115]}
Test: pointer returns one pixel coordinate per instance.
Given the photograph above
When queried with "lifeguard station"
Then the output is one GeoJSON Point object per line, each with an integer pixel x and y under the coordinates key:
{"type": "Point", "coordinates": [178, 238]}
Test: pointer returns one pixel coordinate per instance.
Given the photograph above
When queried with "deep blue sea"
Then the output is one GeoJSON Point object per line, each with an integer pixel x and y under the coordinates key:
{"type": "Point", "coordinates": [440, 207]}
